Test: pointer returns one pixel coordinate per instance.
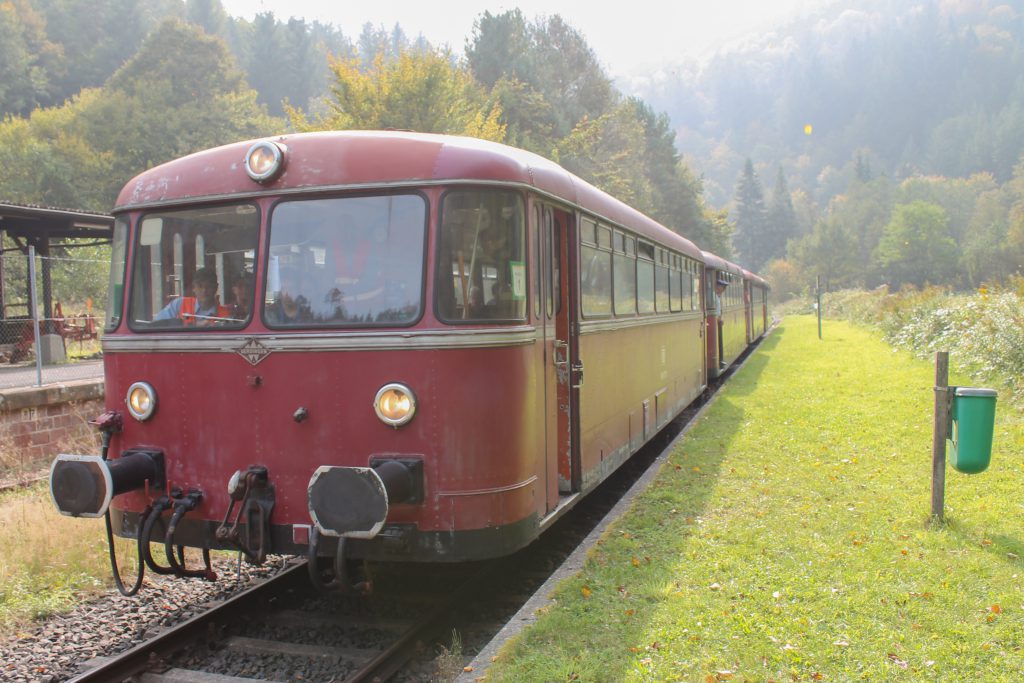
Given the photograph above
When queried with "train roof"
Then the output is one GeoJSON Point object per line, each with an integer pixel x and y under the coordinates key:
{"type": "Point", "coordinates": [336, 160]}
{"type": "Point", "coordinates": [719, 263]}
{"type": "Point", "coordinates": [756, 279]}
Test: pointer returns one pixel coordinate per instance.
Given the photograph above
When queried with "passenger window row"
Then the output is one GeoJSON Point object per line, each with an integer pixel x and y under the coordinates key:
{"type": "Point", "coordinates": [623, 275]}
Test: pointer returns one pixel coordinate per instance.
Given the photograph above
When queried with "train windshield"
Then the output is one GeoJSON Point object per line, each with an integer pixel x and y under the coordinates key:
{"type": "Point", "coordinates": [481, 273]}
{"type": "Point", "coordinates": [187, 267]}
{"type": "Point", "coordinates": [346, 261]}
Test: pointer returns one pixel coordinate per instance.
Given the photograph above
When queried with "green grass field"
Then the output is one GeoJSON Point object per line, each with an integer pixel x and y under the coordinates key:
{"type": "Point", "coordinates": [788, 538]}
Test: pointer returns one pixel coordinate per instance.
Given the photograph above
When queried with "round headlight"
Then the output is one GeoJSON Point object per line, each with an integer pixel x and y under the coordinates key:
{"type": "Point", "coordinates": [141, 401]}
{"type": "Point", "coordinates": [264, 161]}
{"type": "Point", "coordinates": [395, 404]}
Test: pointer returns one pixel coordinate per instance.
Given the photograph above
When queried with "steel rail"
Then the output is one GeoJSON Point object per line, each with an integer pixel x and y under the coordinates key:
{"type": "Point", "coordinates": [143, 656]}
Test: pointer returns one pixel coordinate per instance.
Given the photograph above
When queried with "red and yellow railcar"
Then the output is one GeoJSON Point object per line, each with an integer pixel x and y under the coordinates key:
{"type": "Point", "coordinates": [755, 297]}
{"type": "Point", "coordinates": [726, 313]}
{"type": "Point", "coordinates": [381, 345]}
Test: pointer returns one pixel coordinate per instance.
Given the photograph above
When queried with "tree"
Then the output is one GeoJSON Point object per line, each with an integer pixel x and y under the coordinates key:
{"type": "Point", "coordinates": [786, 279]}
{"type": "Point", "coordinates": [179, 94]}
{"type": "Point", "coordinates": [862, 211]}
{"type": "Point", "coordinates": [48, 160]}
{"type": "Point", "coordinates": [98, 36]}
{"type": "Point", "coordinates": [829, 253]}
{"type": "Point", "coordinates": [781, 222]}
{"type": "Point", "coordinates": [419, 91]}
{"type": "Point", "coordinates": [916, 247]}
{"type": "Point", "coordinates": [500, 48]}
{"type": "Point", "coordinates": [751, 218]}
{"type": "Point", "coordinates": [676, 195]}
{"type": "Point", "coordinates": [285, 63]}
{"type": "Point", "coordinates": [209, 15]}
{"type": "Point", "coordinates": [569, 75]}
{"type": "Point", "coordinates": [606, 153]}
{"type": "Point", "coordinates": [29, 62]}
{"type": "Point", "coordinates": [987, 251]}
{"type": "Point", "coordinates": [555, 65]}
{"type": "Point", "coordinates": [719, 232]}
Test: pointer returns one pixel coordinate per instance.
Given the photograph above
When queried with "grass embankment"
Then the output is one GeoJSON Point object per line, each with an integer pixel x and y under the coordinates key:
{"type": "Point", "coordinates": [787, 538]}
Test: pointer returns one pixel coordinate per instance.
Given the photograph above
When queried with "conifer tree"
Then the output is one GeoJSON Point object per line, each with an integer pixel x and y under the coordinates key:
{"type": "Point", "coordinates": [751, 218]}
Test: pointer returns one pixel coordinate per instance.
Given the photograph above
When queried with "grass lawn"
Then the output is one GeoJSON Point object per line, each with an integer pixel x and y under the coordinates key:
{"type": "Point", "coordinates": [788, 538]}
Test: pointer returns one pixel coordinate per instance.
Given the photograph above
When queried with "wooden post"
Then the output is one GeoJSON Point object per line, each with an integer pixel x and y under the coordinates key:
{"type": "Point", "coordinates": [941, 431]}
{"type": "Point", "coordinates": [817, 293]}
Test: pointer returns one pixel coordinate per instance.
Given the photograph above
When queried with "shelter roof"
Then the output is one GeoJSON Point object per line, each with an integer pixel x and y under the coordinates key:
{"type": "Point", "coordinates": [39, 223]}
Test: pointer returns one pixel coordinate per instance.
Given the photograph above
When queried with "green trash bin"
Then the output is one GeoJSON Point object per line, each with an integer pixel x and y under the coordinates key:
{"type": "Point", "coordinates": [973, 421]}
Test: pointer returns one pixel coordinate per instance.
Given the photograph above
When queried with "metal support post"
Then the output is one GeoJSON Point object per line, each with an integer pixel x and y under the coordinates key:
{"type": "Point", "coordinates": [35, 313]}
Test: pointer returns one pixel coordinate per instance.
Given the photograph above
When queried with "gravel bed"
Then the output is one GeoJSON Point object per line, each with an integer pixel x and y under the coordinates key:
{"type": "Point", "coordinates": [110, 624]}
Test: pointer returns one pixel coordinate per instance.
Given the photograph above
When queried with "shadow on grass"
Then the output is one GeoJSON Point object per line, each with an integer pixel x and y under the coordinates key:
{"type": "Point", "coordinates": [640, 555]}
{"type": "Point", "coordinates": [743, 380]}
{"type": "Point", "coordinates": [1007, 548]}
{"type": "Point", "coordinates": [663, 523]}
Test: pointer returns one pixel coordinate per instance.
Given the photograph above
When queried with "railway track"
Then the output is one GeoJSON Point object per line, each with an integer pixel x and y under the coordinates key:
{"type": "Point", "coordinates": [282, 630]}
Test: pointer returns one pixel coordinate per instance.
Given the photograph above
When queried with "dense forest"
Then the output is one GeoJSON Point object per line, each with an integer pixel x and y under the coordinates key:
{"type": "Point", "coordinates": [892, 129]}
{"type": "Point", "coordinates": [876, 142]}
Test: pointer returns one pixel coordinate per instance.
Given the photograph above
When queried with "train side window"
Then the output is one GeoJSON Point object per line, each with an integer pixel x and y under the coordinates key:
{"type": "Point", "coordinates": [675, 290]}
{"type": "Point", "coordinates": [588, 232]}
{"type": "Point", "coordinates": [624, 275]}
{"type": "Point", "coordinates": [538, 278]}
{"type": "Point", "coordinates": [554, 297]}
{"type": "Point", "coordinates": [482, 248]}
{"type": "Point", "coordinates": [596, 273]}
{"type": "Point", "coordinates": [645, 277]}
{"type": "Point", "coordinates": [663, 289]}
{"type": "Point", "coordinates": [695, 287]}
{"type": "Point", "coordinates": [184, 260]}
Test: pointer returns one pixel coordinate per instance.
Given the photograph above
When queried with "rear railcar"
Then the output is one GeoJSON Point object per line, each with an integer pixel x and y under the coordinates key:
{"type": "Point", "coordinates": [755, 297]}
{"type": "Point", "coordinates": [726, 313]}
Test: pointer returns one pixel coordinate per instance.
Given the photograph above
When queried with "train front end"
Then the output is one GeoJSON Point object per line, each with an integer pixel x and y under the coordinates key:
{"type": "Point", "coordinates": [301, 366]}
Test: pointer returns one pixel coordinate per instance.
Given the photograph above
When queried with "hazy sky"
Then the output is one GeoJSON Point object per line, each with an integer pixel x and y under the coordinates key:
{"type": "Point", "coordinates": [625, 35]}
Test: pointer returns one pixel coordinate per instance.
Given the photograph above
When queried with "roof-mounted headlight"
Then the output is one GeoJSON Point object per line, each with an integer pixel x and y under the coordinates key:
{"type": "Point", "coordinates": [141, 400]}
{"type": "Point", "coordinates": [395, 404]}
{"type": "Point", "coordinates": [264, 161]}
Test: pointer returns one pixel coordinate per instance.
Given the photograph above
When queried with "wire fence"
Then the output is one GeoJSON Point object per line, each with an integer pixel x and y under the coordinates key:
{"type": "Point", "coordinates": [50, 327]}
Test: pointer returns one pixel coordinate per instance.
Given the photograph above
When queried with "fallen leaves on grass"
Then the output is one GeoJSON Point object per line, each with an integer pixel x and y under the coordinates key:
{"type": "Point", "coordinates": [897, 661]}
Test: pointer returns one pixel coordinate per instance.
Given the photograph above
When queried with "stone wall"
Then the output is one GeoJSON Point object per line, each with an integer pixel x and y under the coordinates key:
{"type": "Point", "coordinates": [36, 423]}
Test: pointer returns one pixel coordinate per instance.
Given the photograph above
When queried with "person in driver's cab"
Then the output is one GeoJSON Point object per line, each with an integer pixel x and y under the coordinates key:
{"type": "Point", "coordinates": [241, 287]}
{"type": "Point", "coordinates": [200, 310]}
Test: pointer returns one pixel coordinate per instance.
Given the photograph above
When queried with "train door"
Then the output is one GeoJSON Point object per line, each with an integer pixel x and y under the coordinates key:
{"type": "Point", "coordinates": [748, 310]}
{"type": "Point", "coordinates": [562, 370]}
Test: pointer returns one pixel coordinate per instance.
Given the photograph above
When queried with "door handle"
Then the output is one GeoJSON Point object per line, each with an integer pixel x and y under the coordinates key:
{"type": "Point", "coordinates": [561, 353]}
{"type": "Point", "coordinates": [577, 375]}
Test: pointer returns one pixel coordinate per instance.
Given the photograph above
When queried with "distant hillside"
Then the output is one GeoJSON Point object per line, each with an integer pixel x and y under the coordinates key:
{"type": "Point", "coordinates": [909, 87]}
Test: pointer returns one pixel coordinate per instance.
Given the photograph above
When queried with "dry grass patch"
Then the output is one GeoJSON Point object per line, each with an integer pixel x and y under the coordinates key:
{"type": "Point", "coordinates": [47, 559]}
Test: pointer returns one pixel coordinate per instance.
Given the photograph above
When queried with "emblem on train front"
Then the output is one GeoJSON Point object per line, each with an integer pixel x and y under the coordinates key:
{"type": "Point", "coordinates": [253, 351]}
